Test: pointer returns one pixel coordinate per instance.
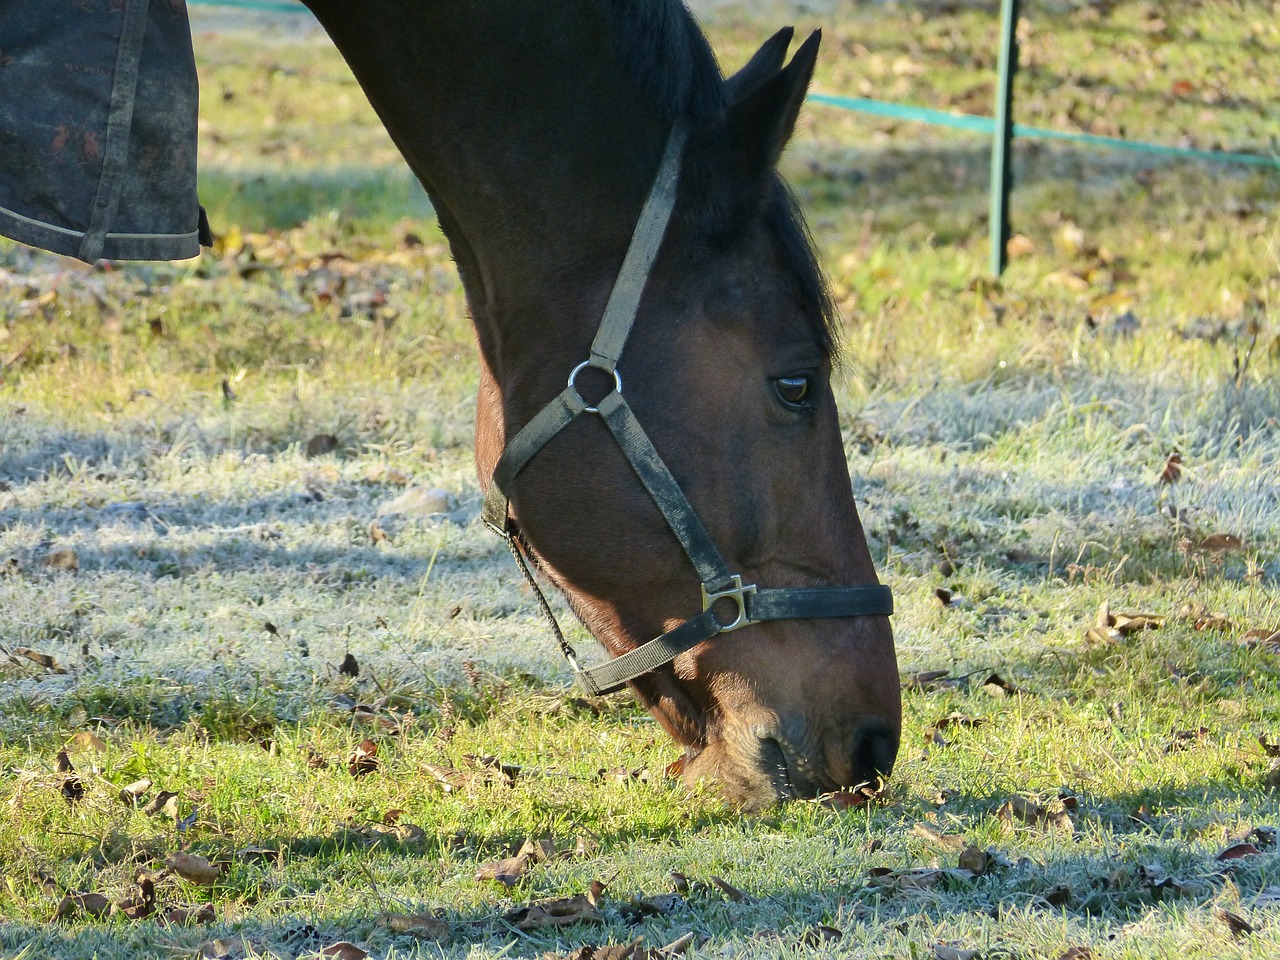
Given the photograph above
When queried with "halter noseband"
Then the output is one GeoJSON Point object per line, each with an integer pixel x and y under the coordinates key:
{"type": "Point", "coordinates": [750, 604]}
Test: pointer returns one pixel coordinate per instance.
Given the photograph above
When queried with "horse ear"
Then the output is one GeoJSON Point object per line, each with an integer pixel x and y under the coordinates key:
{"type": "Point", "coordinates": [766, 62]}
{"type": "Point", "coordinates": [761, 117]}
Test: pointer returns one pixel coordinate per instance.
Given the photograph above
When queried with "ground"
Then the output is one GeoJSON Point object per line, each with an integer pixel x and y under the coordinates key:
{"type": "Point", "coordinates": [219, 555]}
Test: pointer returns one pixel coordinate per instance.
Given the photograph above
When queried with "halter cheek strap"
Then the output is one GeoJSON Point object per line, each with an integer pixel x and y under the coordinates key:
{"type": "Point", "coordinates": [739, 604]}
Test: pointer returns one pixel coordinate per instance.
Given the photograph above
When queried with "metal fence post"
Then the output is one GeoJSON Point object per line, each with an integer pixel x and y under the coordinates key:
{"type": "Point", "coordinates": [1001, 166]}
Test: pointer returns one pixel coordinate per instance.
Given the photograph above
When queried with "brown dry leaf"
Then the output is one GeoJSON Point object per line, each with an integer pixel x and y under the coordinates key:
{"type": "Point", "coordinates": [971, 858]}
{"type": "Point", "coordinates": [133, 792]}
{"type": "Point", "coordinates": [946, 841]}
{"type": "Point", "coordinates": [1238, 851]}
{"type": "Point", "coordinates": [912, 878]}
{"type": "Point", "coordinates": [818, 935]}
{"type": "Point", "coordinates": [1221, 543]}
{"type": "Point", "coordinates": [1021, 810]}
{"type": "Point", "coordinates": [1182, 739]}
{"type": "Point", "coordinates": [730, 891]}
{"type": "Point", "coordinates": [1264, 639]}
{"type": "Point", "coordinates": [230, 948]}
{"type": "Point", "coordinates": [506, 872]}
{"type": "Point", "coordinates": [84, 740]}
{"type": "Point", "coordinates": [1077, 953]}
{"type": "Point", "coordinates": [166, 802]}
{"type": "Point", "coordinates": [363, 759]}
{"type": "Point", "coordinates": [1057, 895]}
{"type": "Point", "coordinates": [192, 916]}
{"type": "Point", "coordinates": [193, 868]}
{"type": "Point", "coordinates": [64, 559]}
{"type": "Point", "coordinates": [40, 659]}
{"type": "Point", "coordinates": [344, 950]}
{"type": "Point", "coordinates": [1129, 623]}
{"type": "Point", "coordinates": [1237, 924]}
{"type": "Point", "coordinates": [422, 925]}
{"type": "Point", "coordinates": [73, 904]}
{"type": "Point", "coordinates": [555, 912]}
{"type": "Point", "coordinates": [1172, 471]}
{"type": "Point", "coordinates": [997, 685]}
{"type": "Point", "coordinates": [653, 906]}
{"type": "Point", "coordinates": [958, 720]}
{"type": "Point", "coordinates": [140, 905]}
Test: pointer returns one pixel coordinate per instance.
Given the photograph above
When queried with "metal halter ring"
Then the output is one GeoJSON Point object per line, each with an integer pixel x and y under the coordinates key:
{"type": "Point", "coordinates": [573, 375]}
{"type": "Point", "coordinates": [736, 591]}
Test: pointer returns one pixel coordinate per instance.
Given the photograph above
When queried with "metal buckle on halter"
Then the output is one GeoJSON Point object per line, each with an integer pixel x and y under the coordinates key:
{"type": "Point", "coordinates": [737, 592]}
{"type": "Point", "coordinates": [573, 375]}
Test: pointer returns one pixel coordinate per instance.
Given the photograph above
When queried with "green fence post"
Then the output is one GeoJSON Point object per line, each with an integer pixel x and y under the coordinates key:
{"type": "Point", "coordinates": [1001, 166]}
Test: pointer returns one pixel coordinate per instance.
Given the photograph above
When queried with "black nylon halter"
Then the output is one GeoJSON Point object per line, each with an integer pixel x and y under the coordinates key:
{"type": "Point", "coordinates": [750, 603]}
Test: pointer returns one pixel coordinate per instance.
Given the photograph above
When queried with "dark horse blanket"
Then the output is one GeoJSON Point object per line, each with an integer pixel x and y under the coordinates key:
{"type": "Point", "coordinates": [98, 103]}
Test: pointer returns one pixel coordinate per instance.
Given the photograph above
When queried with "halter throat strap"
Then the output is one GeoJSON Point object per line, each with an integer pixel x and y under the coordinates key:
{"type": "Point", "coordinates": [728, 603]}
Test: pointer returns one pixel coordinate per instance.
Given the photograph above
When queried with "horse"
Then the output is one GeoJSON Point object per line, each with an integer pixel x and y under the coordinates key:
{"type": "Point", "coordinates": [588, 159]}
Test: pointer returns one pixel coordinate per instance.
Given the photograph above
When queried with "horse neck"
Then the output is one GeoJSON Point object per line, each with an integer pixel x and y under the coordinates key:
{"type": "Point", "coordinates": [536, 149]}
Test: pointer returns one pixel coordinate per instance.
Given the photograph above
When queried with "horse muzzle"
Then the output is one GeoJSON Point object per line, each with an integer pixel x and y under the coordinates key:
{"type": "Point", "coordinates": [766, 764]}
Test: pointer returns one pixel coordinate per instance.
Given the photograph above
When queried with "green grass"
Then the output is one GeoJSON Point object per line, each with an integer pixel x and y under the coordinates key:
{"type": "Point", "coordinates": [1006, 444]}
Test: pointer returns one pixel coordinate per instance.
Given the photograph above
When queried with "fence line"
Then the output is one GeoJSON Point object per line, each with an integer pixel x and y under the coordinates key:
{"type": "Point", "coordinates": [974, 123]}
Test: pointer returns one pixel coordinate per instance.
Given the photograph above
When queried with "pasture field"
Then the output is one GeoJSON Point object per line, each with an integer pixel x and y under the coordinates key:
{"type": "Point", "coordinates": [221, 572]}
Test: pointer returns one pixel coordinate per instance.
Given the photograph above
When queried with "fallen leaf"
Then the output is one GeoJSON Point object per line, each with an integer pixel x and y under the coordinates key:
{"type": "Point", "coordinates": [730, 891]}
{"type": "Point", "coordinates": [349, 667]}
{"type": "Point", "coordinates": [971, 858]}
{"type": "Point", "coordinates": [140, 905]}
{"type": "Point", "coordinates": [93, 904]}
{"type": "Point", "coordinates": [1237, 924]}
{"type": "Point", "coordinates": [133, 792]}
{"type": "Point", "coordinates": [942, 951]}
{"type": "Point", "coordinates": [193, 868]}
{"type": "Point", "coordinates": [946, 841]}
{"type": "Point", "coordinates": [166, 802]}
{"type": "Point", "coordinates": [1058, 895]}
{"type": "Point", "coordinates": [554, 912]}
{"type": "Point", "coordinates": [1238, 851]}
{"type": "Point", "coordinates": [1021, 810]}
{"type": "Point", "coordinates": [506, 872]}
{"type": "Point", "coordinates": [999, 686]}
{"type": "Point", "coordinates": [41, 659]}
{"type": "Point", "coordinates": [63, 559]}
{"type": "Point", "coordinates": [1076, 953]}
{"type": "Point", "coordinates": [231, 948]}
{"type": "Point", "coordinates": [1182, 739]}
{"type": "Point", "coordinates": [421, 925]}
{"type": "Point", "coordinates": [364, 759]}
{"type": "Point", "coordinates": [1220, 543]}
{"type": "Point", "coordinates": [84, 740]}
{"type": "Point", "coordinates": [191, 916]}
{"type": "Point", "coordinates": [344, 950]}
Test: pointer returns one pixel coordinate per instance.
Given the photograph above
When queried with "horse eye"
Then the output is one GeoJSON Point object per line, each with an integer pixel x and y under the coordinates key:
{"type": "Point", "coordinates": [793, 391]}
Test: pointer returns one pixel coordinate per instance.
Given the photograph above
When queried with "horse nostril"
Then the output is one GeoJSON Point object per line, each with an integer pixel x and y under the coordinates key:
{"type": "Point", "coordinates": [874, 751]}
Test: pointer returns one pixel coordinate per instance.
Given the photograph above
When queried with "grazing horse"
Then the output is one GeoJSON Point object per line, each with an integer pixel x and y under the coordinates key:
{"type": "Point", "coordinates": [556, 141]}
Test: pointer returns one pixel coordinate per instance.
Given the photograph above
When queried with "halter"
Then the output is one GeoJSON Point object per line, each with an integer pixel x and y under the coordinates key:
{"type": "Point", "coordinates": [748, 603]}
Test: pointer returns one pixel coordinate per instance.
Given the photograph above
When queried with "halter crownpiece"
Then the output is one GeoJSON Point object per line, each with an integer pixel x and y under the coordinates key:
{"type": "Point", "coordinates": [740, 604]}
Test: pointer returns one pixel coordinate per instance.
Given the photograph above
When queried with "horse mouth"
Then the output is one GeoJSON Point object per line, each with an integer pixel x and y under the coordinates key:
{"type": "Point", "coordinates": [773, 763]}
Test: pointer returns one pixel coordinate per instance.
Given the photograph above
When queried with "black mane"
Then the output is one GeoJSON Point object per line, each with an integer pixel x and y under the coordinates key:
{"type": "Point", "coordinates": [667, 53]}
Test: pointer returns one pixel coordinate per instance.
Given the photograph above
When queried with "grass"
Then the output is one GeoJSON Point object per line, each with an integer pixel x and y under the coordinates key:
{"type": "Point", "coordinates": [1006, 444]}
